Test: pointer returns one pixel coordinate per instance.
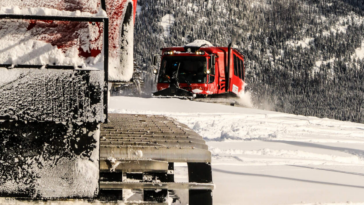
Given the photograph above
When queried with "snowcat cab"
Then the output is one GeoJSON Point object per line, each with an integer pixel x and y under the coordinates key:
{"type": "Point", "coordinates": [200, 69]}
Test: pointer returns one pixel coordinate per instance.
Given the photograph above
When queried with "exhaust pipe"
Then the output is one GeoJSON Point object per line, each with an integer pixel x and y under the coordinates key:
{"type": "Point", "coordinates": [227, 72]}
{"type": "Point", "coordinates": [103, 5]}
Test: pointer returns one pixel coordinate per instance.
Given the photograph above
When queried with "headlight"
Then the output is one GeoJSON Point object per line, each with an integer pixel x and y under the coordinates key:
{"type": "Point", "coordinates": [169, 52]}
{"type": "Point", "coordinates": [200, 52]}
{"type": "Point", "coordinates": [155, 71]}
{"type": "Point", "coordinates": [208, 71]}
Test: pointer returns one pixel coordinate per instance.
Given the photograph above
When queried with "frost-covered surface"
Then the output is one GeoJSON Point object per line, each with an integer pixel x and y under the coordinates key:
{"type": "Point", "coordinates": [49, 128]}
{"type": "Point", "coordinates": [263, 157]}
{"type": "Point", "coordinates": [49, 132]}
{"type": "Point", "coordinates": [49, 95]}
{"type": "Point", "coordinates": [48, 159]}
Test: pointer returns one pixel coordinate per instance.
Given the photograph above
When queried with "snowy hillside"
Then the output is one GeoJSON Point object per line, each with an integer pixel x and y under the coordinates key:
{"type": "Point", "coordinates": [302, 56]}
{"type": "Point", "coordinates": [262, 157]}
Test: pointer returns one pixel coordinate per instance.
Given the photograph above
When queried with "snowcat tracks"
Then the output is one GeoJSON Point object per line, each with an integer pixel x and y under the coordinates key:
{"type": "Point", "coordinates": [138, 152]}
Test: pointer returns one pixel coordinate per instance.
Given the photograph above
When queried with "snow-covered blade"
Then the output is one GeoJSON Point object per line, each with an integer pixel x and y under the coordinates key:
{"type": "Point", "coordinates": [173, 92]}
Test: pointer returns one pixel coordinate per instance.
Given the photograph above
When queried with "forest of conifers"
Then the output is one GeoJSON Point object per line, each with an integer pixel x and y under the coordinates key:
{"type": "Point", "coordinates": [302, 56]}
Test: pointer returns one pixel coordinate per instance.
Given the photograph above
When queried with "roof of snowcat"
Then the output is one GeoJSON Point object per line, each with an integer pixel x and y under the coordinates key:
{"type": "Point", "coordinates": [209, 49]}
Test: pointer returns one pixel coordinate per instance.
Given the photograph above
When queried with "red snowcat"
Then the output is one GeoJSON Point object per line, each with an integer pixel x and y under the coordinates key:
{"type": "Point", "coordinates": [200, 69]}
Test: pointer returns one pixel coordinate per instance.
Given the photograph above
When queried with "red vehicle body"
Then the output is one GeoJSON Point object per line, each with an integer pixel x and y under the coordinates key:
{"type": "Point", "coordinates": [83, 39]}
{"type": "Point", "coordinates": [223, 71]}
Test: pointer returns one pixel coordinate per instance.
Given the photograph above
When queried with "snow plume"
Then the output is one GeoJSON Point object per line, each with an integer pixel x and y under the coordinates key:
{"type": "Point", "coordinates": [263, 101]}
{"type": "Point", "coordinates": [265, 104]}
{"type": "Point", "coordinates": [245, 99]}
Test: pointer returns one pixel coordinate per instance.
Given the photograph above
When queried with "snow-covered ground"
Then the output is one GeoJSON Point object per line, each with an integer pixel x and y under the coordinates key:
{"type": "Point", "coordinates": [262, 157]}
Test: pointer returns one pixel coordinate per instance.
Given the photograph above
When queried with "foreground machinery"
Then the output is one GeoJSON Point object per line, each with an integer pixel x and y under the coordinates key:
{"type": "Point", "coordinates": [57, 140]}
{"type": "Point", "coordinates": [139, 152]}
{"type": "Point", "coordinates": [200, 69]}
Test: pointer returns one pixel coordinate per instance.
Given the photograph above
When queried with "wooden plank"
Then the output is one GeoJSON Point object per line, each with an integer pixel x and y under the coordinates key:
{"type": "Point", "coordinates": [134, 166]}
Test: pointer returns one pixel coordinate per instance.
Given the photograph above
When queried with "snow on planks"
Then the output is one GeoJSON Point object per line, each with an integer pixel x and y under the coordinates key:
{"type": "Point", "coordinates": [139, 152]}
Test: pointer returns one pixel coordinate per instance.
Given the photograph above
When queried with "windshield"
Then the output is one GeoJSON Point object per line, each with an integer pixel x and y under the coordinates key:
{"type": "Point", "coordinates": [185, 69]}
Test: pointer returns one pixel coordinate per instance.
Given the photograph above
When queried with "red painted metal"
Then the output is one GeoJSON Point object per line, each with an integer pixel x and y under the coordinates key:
{"type": "Point", "coordinates": [115, 12]}
{"type": "Point", "coordinates": [218, 86]}
{"type": "Point", "coordinates": [85, 37]}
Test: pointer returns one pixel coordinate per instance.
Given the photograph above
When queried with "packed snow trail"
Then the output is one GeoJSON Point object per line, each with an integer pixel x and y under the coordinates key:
{"type": "Point", "coordinates": [263, 157]}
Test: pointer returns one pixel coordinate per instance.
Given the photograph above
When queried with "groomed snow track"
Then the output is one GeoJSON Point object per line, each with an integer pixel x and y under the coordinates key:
{"type": "Point", "coordinates": [138, 152]}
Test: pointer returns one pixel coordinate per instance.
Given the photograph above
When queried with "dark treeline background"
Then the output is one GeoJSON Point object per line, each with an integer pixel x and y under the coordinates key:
{"type": "Point", "coordinates": [302, 56]}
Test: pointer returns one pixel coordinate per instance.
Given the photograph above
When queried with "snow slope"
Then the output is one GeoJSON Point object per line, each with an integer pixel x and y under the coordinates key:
{"type": "Point", "coordinates": [166, 23]}
{"type": "Point", "coordinates": [262, 157]}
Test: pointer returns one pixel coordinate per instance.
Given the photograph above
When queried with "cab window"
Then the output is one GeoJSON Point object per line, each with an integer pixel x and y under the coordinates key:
{"type": "Point", "coordinates": [236, 64]}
